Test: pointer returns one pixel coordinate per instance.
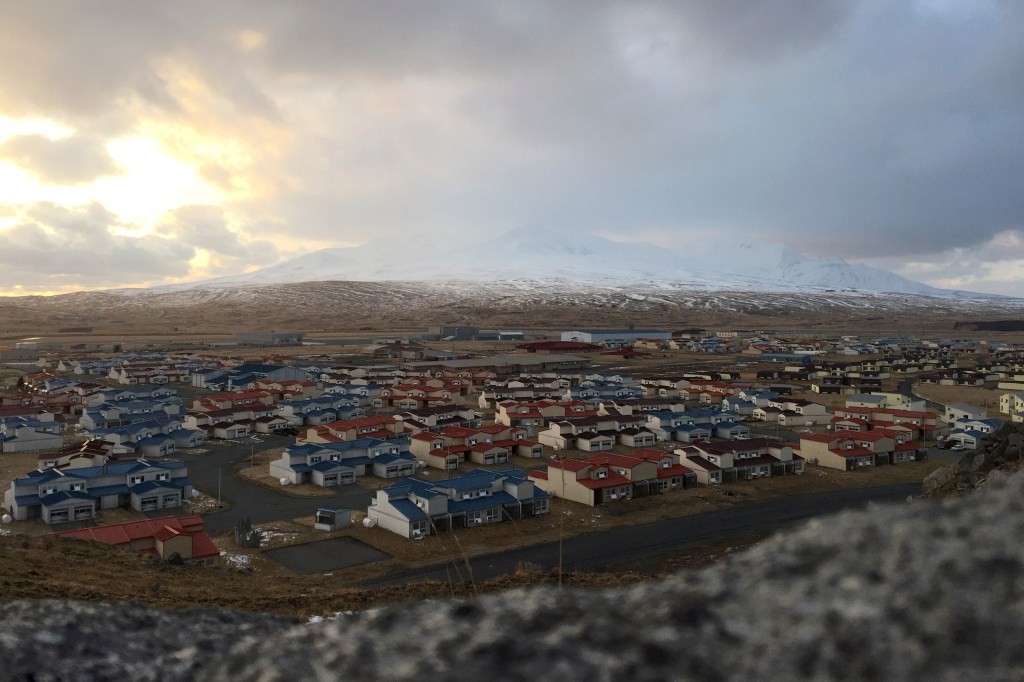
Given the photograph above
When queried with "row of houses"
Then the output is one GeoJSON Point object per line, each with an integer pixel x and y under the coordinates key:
{"type": "Point", "coordinates": [486, 445]}
{"type": "Point", "coordinates": [740, 460]}
{"type": "Point", "coordinates": [415, 507]}
{"type": "Point", "coordinates": [607, 477]}
{"type": "Point", "coordinates": [848, 450]}
{"type": "Point", "coordinates": [41, 431]}
{"type": "Point", "coordinates": [340, 463]}
{"type": "Point", "coordinates": [169, 538]}
{"type": "Point", "coordinates": [59, 495]}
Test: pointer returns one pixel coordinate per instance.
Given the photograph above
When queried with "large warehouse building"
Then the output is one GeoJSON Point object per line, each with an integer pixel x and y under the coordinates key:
{"type": "Point", "coordinates": [614, 336]}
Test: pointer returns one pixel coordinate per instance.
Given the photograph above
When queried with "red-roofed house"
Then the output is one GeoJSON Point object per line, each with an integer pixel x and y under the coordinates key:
{"type": "Point", "coordinates": [383, 427]}
{"type": "Point", "coordinates": [846, 451]}
{"type": "Point", "coordinates": [583, 481]}
{"type": "Point", "coordinates": [162, 537]}
{"type": "Point", "coordinates": [607, 476]}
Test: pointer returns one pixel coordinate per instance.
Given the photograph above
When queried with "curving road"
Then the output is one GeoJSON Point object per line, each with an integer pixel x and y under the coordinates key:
{"type": "Point", "coordinates": [625, 548]}
{"type": "Point", "coordinates": [617, 549]}
{"type": "Point", "coordinates": [215, 468]}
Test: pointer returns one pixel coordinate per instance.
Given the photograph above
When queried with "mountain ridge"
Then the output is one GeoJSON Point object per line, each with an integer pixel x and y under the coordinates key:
{"type": "Point", "coordinates": [575, 263]}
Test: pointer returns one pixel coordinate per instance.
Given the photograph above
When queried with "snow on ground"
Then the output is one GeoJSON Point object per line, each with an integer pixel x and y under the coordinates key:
{"type": "Point", "coordinates": [276, 537]}
{"type": "Point", "coordinates": [236, 560]}
{"type": "Point", "coordinates": [313, 620]}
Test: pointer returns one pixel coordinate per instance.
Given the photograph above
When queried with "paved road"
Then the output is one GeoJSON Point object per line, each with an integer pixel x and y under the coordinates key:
{"type": "Point", "coordinates": [259, 503]}
{"type": "Point", "coordinates": [618, 549]}
{"type": "Point", "coordinates": [788, 435]}
{"type": "Point", "coordinates": [906, 387]}
{"type": "Point", "coordinates": [624, 548]}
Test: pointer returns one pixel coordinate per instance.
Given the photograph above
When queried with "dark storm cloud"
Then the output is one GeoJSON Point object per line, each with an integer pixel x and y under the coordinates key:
{"type": "Point", "coordinates": [841, 127]}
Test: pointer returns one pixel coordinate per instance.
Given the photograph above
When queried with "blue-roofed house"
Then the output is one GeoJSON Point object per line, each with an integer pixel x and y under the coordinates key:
{"type": "Point", "coordinates": [712, 415]}
{"type": "Point", "coordinates": [209, 377]}
{"type": "Point", "coordinates": [188, 438]}
{"type": "Point", "coordinates": [76, 494]}
{"type": "Point", "coordinates": [740, 406]}
{"type": "Point", "coordinates": [970, 432]}
{"type": "Point", "coordinates": [415, 507]}
{"type": "Point", "coordinates": [983, 426]}
{"type": "Point", "coordinates": [159, 445]}
{"type": "Point", "coordinates": [340, 463]}
{"type": "Point", "coordinates": [731, 430]}
{"type": "Point", "coordinates": [27, 438]}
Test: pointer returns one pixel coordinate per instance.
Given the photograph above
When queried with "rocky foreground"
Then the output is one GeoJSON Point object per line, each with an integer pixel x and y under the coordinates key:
{"type": "Point", "coordinates": [925, 590]}
{"type": "Point", "coordinates": [1000, 454]}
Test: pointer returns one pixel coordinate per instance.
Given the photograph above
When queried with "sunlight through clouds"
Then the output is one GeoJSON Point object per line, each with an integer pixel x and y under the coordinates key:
{"type": "Point", "coordinates": [152, 184]}
{"type": "Point", "coordinates": [877, 131]}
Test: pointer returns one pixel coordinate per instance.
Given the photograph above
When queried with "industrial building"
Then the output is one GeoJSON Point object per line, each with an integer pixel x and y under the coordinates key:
{"type": "Point", "coordinates": [614, 336]}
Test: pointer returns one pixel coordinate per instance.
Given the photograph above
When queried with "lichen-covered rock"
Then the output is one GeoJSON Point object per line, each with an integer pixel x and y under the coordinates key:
{"type": "Point", "coordinates": [937, 480]}
{"type": "Point", "coordinates": [999, 450]}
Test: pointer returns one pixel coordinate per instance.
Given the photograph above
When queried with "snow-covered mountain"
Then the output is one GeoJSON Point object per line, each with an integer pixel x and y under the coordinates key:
{"type": "Point", "coordinates": [528, 259]}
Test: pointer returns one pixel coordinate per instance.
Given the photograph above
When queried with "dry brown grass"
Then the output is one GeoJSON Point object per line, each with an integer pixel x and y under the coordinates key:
{"type": "Point", "coordinates": [978, 396]}
{"type": "Point", "coordinates": [569, 518]}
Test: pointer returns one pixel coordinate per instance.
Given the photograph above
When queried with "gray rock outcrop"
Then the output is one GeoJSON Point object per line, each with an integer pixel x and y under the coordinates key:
{"type": "Point", "coordinates": [999, 451]}
{"type": "Point", "coordinates": [928, 590]}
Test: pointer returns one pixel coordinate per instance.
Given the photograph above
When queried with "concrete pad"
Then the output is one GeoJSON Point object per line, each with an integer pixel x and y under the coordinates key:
{"type": "Point", "coordinates": [326, 555]}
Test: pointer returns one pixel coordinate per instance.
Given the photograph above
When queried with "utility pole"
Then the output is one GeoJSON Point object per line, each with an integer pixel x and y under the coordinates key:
{"type": "Point", "coordinates": [218, 487]}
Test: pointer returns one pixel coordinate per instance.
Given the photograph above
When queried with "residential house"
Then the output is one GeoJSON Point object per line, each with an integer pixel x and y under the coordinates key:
{"type": "Point", "coordinates": [1013, 405]}
{"type": "Point", "coordinates": [75, 494]}
{"type": "Point", "coordinates": [744, 459]}
{"type": "Point", "coordinates": [583, 481]}
{"type": "Point", "coordinates": [27, 436]}
{"type": "Point", "coordinates": [166, 537]}
{"type": "Point", "coordinates": [415, 507]}
{"type": "Point", "coordinates": [846, 450]}
{"type": "Point", "coordinates": [960, 411]}
{"type": "Point", "coordinates": [341, 462]}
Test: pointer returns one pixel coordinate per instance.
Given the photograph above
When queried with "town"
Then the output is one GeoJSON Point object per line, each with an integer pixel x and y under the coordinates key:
{"type": "Point", "coordinates": [366, 444]}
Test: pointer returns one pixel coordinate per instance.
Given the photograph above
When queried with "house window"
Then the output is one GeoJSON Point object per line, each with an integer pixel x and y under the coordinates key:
{"type": "Point", "coordinates": [137, 479]}
{"type": "Point", "coordinates": [163, 477]}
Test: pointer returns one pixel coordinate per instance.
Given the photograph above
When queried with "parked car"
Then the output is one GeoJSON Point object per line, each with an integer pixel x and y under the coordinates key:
{"type": "Point", "coordinates": [957, 446]}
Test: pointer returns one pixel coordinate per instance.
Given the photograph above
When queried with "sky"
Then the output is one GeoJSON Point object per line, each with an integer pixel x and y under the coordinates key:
{"type": "Point", "coordinates": [146, 143]}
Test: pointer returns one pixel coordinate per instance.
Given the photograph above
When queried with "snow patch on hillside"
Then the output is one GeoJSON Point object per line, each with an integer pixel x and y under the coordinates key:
{"type": "Point", "coordinates": [532, 262]}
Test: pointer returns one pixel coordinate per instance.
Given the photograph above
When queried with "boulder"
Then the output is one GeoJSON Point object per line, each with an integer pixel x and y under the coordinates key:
{"type": "Point", "coordinates": [924, 591]}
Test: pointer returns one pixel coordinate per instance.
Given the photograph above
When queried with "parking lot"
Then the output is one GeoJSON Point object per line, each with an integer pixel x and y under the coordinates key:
{"type": "Point", "coordinates": [325, 555]}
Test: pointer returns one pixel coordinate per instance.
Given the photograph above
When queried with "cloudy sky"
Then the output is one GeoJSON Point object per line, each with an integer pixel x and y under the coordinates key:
{"type": "Point", "coordinates": [145, 143]}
